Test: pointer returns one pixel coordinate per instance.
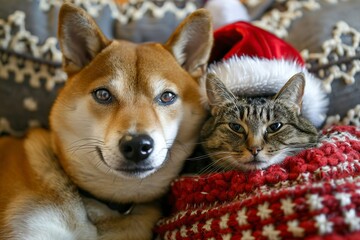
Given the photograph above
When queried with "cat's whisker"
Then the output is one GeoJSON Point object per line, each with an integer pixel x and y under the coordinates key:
{"type": "Point", "coordinates": [220, 164]}
{"type": "Point", "coordinates": [212, 167]}
{"type": "Point", "coordinates": [207, 155]}
{"type": "Point", "coordinates": [198, 158]}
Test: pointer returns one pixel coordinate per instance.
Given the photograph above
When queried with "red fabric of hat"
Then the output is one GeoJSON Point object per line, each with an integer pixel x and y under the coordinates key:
{"type": "Point", "coordinates": [243, 38]}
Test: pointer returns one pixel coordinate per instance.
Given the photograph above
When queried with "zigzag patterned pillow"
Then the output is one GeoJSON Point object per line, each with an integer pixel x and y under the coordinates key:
{"type": "Point", "coordinates": [313, 195]}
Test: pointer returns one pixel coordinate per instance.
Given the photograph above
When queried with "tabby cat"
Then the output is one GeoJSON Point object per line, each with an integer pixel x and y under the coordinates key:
{"type": "Point", "coordinates": [249, 133]}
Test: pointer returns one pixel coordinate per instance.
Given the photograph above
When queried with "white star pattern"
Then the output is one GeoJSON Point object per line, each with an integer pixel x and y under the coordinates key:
{"type": "Point", "coordinates": [314, 201]}
{"type": "Point", "coordinates": [320, 184]}
{"type": "Point", "coordinates": [264, 211]}
{"type": "Point", "coordinates": [323, 224]}
{"type": "Point", "coordinates": [344, 198]}
{"type": "Point", "coordinates": [194, 227]}
{"type": "Point", "coordinates": [357, 162]}
{"type": "Point", "coordinates": [305, 176]}
{"type": "Point", "coordinates": [352, 220]}
{"type": "Point", "coordinates": [287, 206]}
{"type": "Point", "coordinates": [270, 232]}
{"type": "Point", "coordinates": [204, 211]}
{"type": "Point", "coordinates": [242, 195]}
{"type": "Point", "coordinates": [167, 235]}
{"type": "Point", "coordinates": [183, 231]}
{"type": "Point", "coordinates": [224, 220]}
{"type": "Point", "coordinates": [344, 166]}
{"type": "Point", "coordinates": [293, 227]}
{"type": "Point", "coordinates": [247, 235]}
{"type": "Point", "coordinates": [207, 225]}
{"type": "Point", "coordinates": [242, 217]}
{"type": "Point", "coordinates": [173, 234]}
{"type": "Point", "coordinates": [322, 170]}
{"type": "Point", "coordinates": [193, 213]}
{"type": "Point", "coordinates": [226, 237]}
{"type": "Point", "coordinates": [264, 190]}
{"type": "Point", "coordinates": [340, 181]}
{"type": "Point", "coordinates": [181, 214]}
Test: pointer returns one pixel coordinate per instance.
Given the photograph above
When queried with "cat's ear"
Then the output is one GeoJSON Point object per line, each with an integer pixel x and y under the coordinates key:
{"type": "Point", "coordinates": [292, 92]}
{"type": "Point", "coordinates": [217, 93]}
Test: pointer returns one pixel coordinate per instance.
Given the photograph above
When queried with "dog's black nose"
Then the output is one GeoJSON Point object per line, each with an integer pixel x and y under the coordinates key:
{"type": "Point", "coordinates": [136, 147]}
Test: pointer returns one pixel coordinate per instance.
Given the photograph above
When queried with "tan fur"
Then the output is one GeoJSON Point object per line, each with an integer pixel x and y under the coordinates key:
{"type": "Point", "coordinates": [41, 173]}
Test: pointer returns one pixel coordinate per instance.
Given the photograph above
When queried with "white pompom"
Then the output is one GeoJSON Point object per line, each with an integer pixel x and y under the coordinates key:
{"type": "Point", "coordinates": [226, 12]}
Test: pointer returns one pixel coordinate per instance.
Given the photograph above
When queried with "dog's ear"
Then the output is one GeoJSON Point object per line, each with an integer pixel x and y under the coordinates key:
{"type": "Point", "coordinates": [192, 41]}
{"type": "Point", "coordinates": [79, 37]}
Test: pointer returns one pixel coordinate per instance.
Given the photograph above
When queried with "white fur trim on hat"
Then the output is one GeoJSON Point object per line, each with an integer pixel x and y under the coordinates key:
{"type": "Point", "coordinates": [251, 76]}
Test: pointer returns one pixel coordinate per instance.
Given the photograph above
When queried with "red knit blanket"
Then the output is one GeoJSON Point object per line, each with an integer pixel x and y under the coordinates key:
{"type": "Point", "coordinates": [313, 195]}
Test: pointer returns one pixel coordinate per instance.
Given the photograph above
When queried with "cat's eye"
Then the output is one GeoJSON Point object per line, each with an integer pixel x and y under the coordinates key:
{"type": "Point", "coordinates": [167, 98]}
{"type": "Point", "coordinates": [237, 127]}
{"type": "Point", "coordinates": [274, 127]}
{"type": "Point", "coordinates": [102, 95]}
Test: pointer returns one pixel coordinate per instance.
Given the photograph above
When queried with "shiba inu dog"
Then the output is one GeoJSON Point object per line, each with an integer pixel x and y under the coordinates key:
{"type": "Point", "coordinates": [121, 128]}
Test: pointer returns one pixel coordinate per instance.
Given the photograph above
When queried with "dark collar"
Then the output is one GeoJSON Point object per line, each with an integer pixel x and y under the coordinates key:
{"type": "Point", "coordinates": [122, 208]}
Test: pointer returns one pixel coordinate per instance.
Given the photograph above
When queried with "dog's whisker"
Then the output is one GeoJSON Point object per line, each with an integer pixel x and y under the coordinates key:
{"type": "Point", "coordinates": [86, 143]}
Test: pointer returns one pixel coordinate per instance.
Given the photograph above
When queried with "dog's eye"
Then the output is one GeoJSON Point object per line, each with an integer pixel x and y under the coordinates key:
{"type": "Point", "coordinates": [167, 98]}
{"type": "Point", "coordinates": [237, 127]}
{"type": "Point", "coordinates": [102, 95]}
{"type": "Point", "coordinates": [274, 127]}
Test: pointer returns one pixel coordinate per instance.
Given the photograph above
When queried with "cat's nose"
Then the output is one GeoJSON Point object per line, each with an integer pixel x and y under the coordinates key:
{"type": "Point", "coordinates": [255, 150]}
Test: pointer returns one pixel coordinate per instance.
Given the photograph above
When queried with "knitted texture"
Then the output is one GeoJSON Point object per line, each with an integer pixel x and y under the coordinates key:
{"type": "Point", "coordinates": [313, 195]}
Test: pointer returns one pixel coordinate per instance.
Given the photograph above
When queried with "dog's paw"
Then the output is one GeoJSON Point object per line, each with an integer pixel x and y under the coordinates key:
{"type": "Point", "coordinates": [137, 225]}
{"type": "Point", "coordinates": [97, 211]}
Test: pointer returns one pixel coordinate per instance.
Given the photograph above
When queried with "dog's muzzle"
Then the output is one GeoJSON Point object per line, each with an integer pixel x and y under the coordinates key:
{"type": "Point", "coordinates": [136, 148]}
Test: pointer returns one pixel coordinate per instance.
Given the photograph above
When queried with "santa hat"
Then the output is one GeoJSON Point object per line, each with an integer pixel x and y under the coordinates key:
{"type": "Point", "coordinates": [252, 62]}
